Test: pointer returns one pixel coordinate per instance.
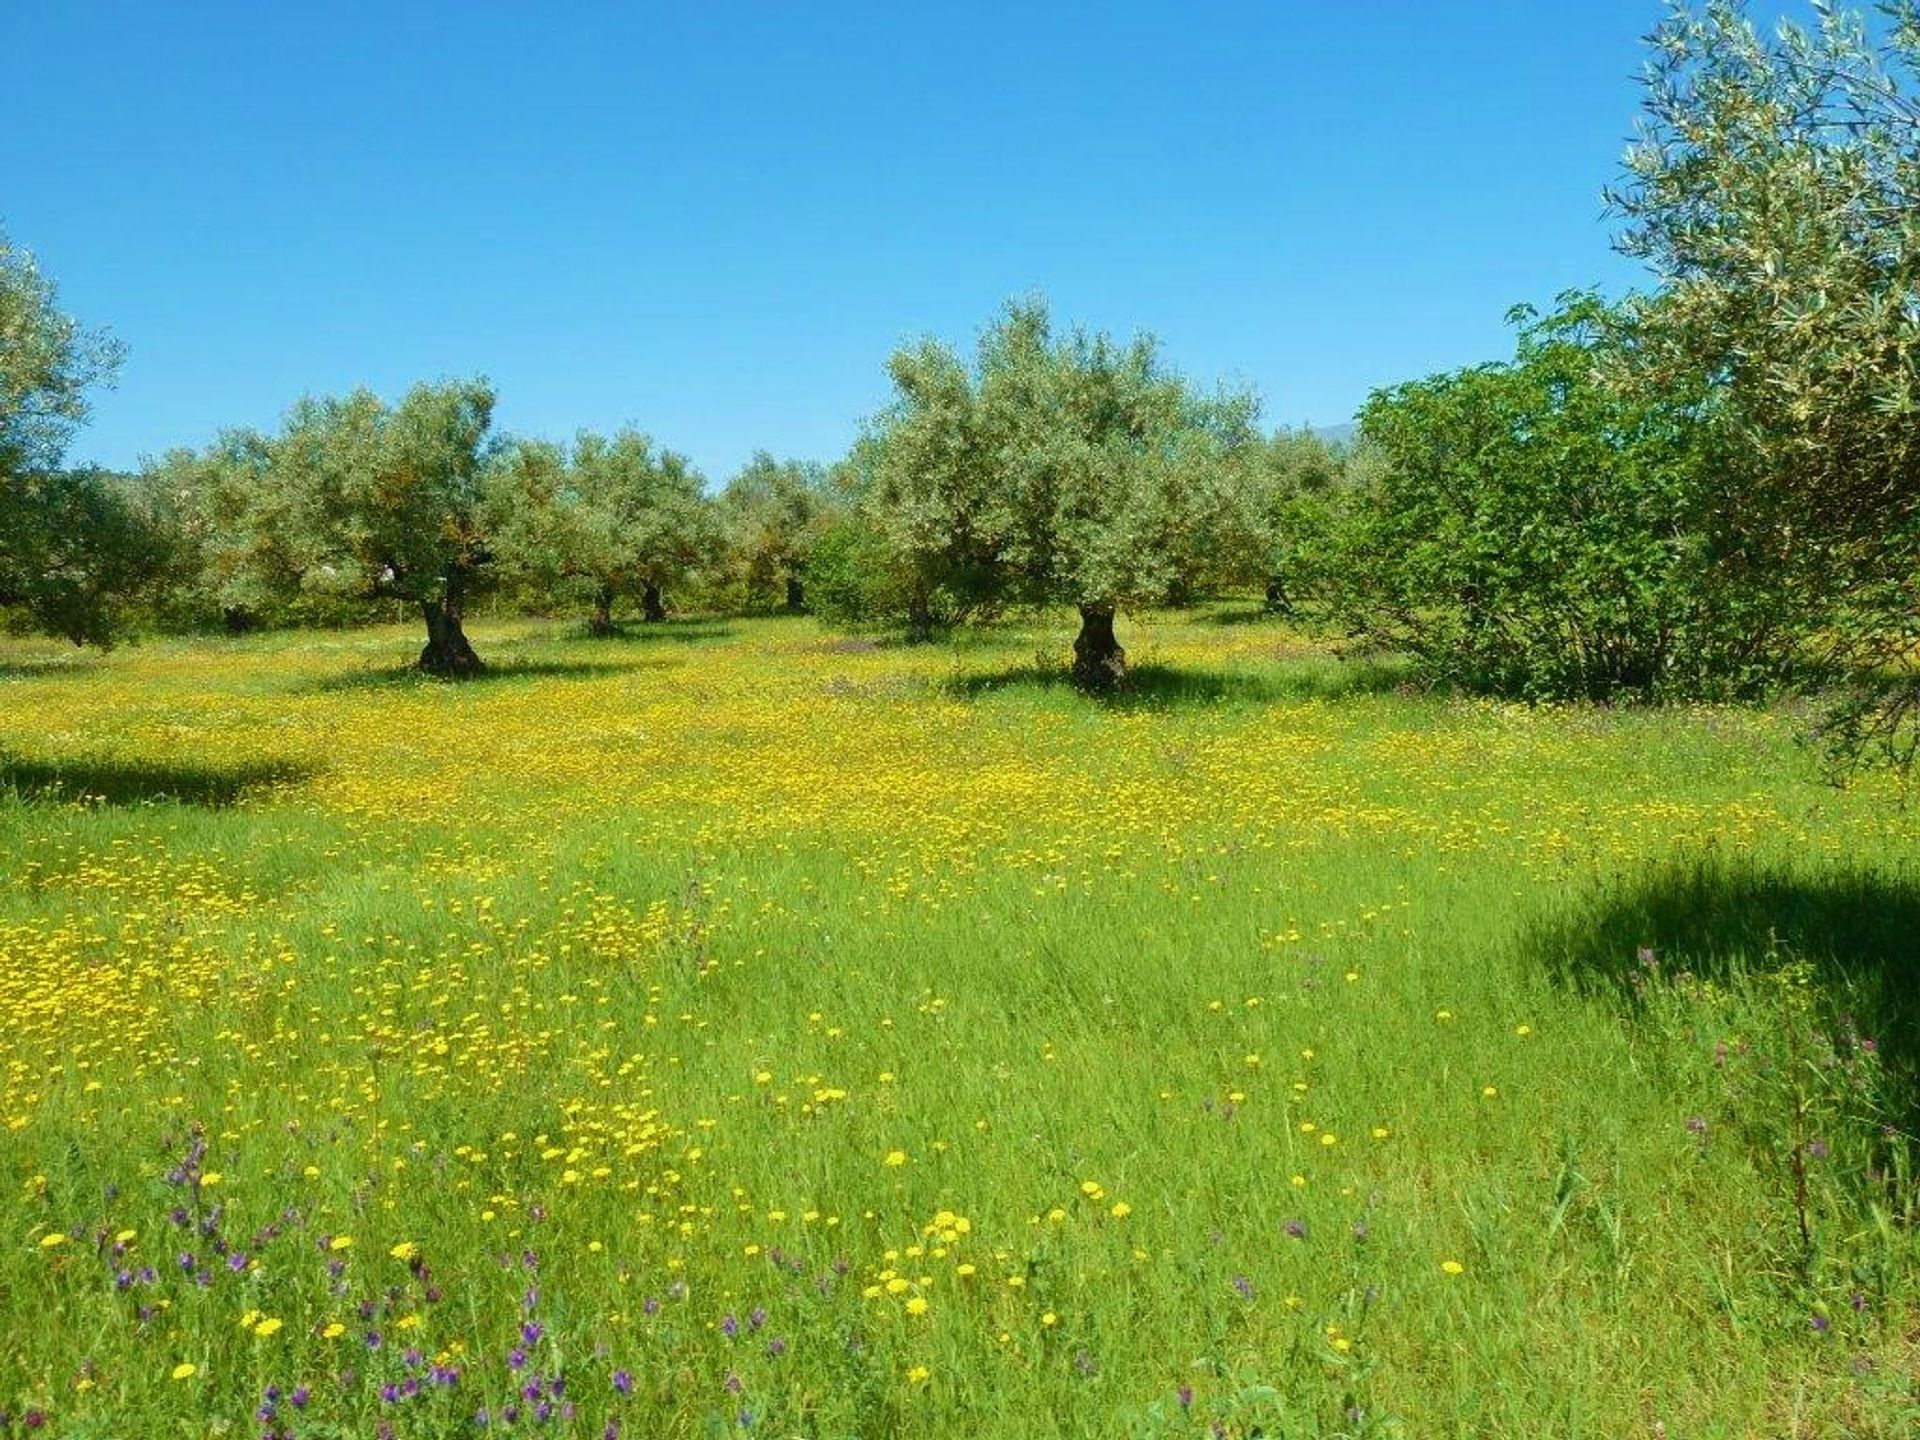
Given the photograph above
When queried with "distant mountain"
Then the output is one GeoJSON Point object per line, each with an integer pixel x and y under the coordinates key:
{"type": "Point", "coordinates": [1336, 434]}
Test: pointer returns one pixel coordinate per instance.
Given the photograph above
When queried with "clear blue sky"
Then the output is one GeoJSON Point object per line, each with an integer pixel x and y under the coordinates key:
{"type": "Point", "coordinates": [716, 219]}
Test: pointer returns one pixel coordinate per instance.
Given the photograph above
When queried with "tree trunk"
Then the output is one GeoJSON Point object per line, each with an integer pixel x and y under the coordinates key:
{"type": "Point", "coordinates": [1277, 600]}
{"type": "Point", "coordinates": [796, 595]}
{"type": "Point", "coordinates": [447, 652]}
{"type": "Point", "coordinates": [652, 607]}
{"type": "Point", "coordinates": [601, 621]}
{"type": "Point", "coordinates": [1098, 661]}
{"type": "Point", "coordinates": [919, 617]}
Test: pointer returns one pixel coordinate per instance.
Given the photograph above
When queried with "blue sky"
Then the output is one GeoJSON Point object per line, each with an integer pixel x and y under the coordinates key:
{"type": "Point", "coordinates": [715, 220]}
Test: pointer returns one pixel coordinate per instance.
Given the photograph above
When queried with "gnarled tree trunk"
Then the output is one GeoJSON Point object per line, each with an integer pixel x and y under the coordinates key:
{"type": "Point", "coordinates": [1278, 600]}
{"type": "Point", "coordinates": [919, 616]}
{"type": "Point", "coordinates": [447, 652]}
{"type": "Point", "coordinates": [796, 595]}
{"type": "Point", "coordinates": [1098, 661]}
{"type": "Point", "coordinates": [601, 621]}
{"type": "Point", "coordinates": [652, 607]}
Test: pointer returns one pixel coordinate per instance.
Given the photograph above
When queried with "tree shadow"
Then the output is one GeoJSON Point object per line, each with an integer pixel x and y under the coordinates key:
{"type": "Point", "coordinates": [1156, 686]}
{"type": "Point", "coordinates": [668, 632]}
{"type": "Point", "coordinates": [411, 677]}
{"type": "Point", "coordinates": [1244, 615]}
{"type": "Point", "coordinates": [1858, 930]}
{"type": "Point", "coordinates": [74, 667]}
{"type": "Point", "coordinates": [99, 780]}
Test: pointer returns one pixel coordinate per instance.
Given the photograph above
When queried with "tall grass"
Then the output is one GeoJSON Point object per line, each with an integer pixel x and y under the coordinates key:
{"type": "Point", "coordinates": [739, 1028]}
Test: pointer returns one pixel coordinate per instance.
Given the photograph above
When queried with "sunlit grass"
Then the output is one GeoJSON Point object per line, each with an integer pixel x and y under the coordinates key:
{"type": "Point", "coordinates": [831, 1038]}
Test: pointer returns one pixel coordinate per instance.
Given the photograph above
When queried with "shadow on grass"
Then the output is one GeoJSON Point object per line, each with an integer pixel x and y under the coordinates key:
{"type": "Point", "coordinates": [1859, 931]}
{"type": "Point", "coordinates": [1244, 615]}
{"type": "Point", "coordinates": [1154, 686]}
{"type": "Point", "coordinates": [63, 668]}
{"type": "Point", "coordinates": [102, 781]}
{"type": "Point", "coordinates": [659, 632]}
{"type": "Point", "coordinates": [408, 677]}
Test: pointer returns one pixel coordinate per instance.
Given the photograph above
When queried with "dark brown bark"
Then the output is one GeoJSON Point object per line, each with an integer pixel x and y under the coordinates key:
{"type": "Point", "coordinates": [601, 621]}
{"type": "Point", "coordinates": [652, 607]}
{"type": "Point", "coordinates": [447, 652]}
{"type": "Point", "coordinates": [796, 595]}
{"type": "Point", "coordinates": [1098, 661]}
{"type": "Point", "coordinates": [919, 616]}
{"type": "Point", "coordinates": [1278, 600]}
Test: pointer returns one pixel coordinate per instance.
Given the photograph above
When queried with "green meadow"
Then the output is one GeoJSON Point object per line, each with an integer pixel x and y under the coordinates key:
{"type": "Point", "coordinates": [729, 1026]}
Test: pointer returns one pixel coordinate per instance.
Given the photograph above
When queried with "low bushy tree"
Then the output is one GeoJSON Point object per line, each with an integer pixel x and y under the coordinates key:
{"type": "Point", "coordinates": [1539, 528]}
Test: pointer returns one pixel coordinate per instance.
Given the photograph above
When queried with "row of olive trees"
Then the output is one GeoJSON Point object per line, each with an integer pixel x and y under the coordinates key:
{"type": "Point", "coordinates": [355, 505]}
{"type": "Point", "coordinates": [419, 504]}
{"type": "Point", "coordinates": [1055, 469]}
{"type": "Point", "coordinates": [1708, 489]}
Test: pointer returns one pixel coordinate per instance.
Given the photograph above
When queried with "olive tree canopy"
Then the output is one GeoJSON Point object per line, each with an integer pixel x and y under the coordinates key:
{"type": "Point", "coordinates": [617, 518]}
{"type": "Point", "coordinates": [1774, 191]}
{"type": "Point", "coordinates": [1056, 469]}
{"type": "Point", "coordinates": [74, 544]}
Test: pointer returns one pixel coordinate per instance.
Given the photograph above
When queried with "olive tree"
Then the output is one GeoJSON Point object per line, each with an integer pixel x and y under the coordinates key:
{"type": "Point", "coordinates": [74, 544]}
{"type": "Point", "coordinates": [1298, 481]}
{"type": "Point", "coordinates": [1057, 469]}
{"type": "Point", "coordinates": [229, 531]}
{"type": "Point", "coordinates": [1773, 191]}
{"type": "Point", "coordinates": [774, 512]}
{"type": "Point", "coordinates": [616, 518]}
{"type": "Point", "coordinates": [375, 502]}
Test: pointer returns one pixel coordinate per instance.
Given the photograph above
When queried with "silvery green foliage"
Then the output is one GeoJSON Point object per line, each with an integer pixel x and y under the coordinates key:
{"type": "Point", "coordinates": [379, 501]}
{"type": "Point", "coordinates": [613, 518]}
{"type": "Point", "coordinates": [775, 512]}
{"type": "Point", "coordinates": [234, 547]}
{"type": "Point", "coordinates": [48, 363]}
{"type": "Point", "coordinates": [74, 544]}
{"type": "Point", "coordinates": [1775, 190]}
{"type": "Point", "coordinates": [1056, 468]}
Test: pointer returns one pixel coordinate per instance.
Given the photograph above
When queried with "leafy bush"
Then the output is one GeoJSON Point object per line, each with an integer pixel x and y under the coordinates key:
{"type": "Point", "coordinates": [1541, 528]}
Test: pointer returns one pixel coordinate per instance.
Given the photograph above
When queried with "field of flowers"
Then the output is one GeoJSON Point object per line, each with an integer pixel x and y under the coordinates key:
{"type": "Point", "coordinates": [735, 1027]}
